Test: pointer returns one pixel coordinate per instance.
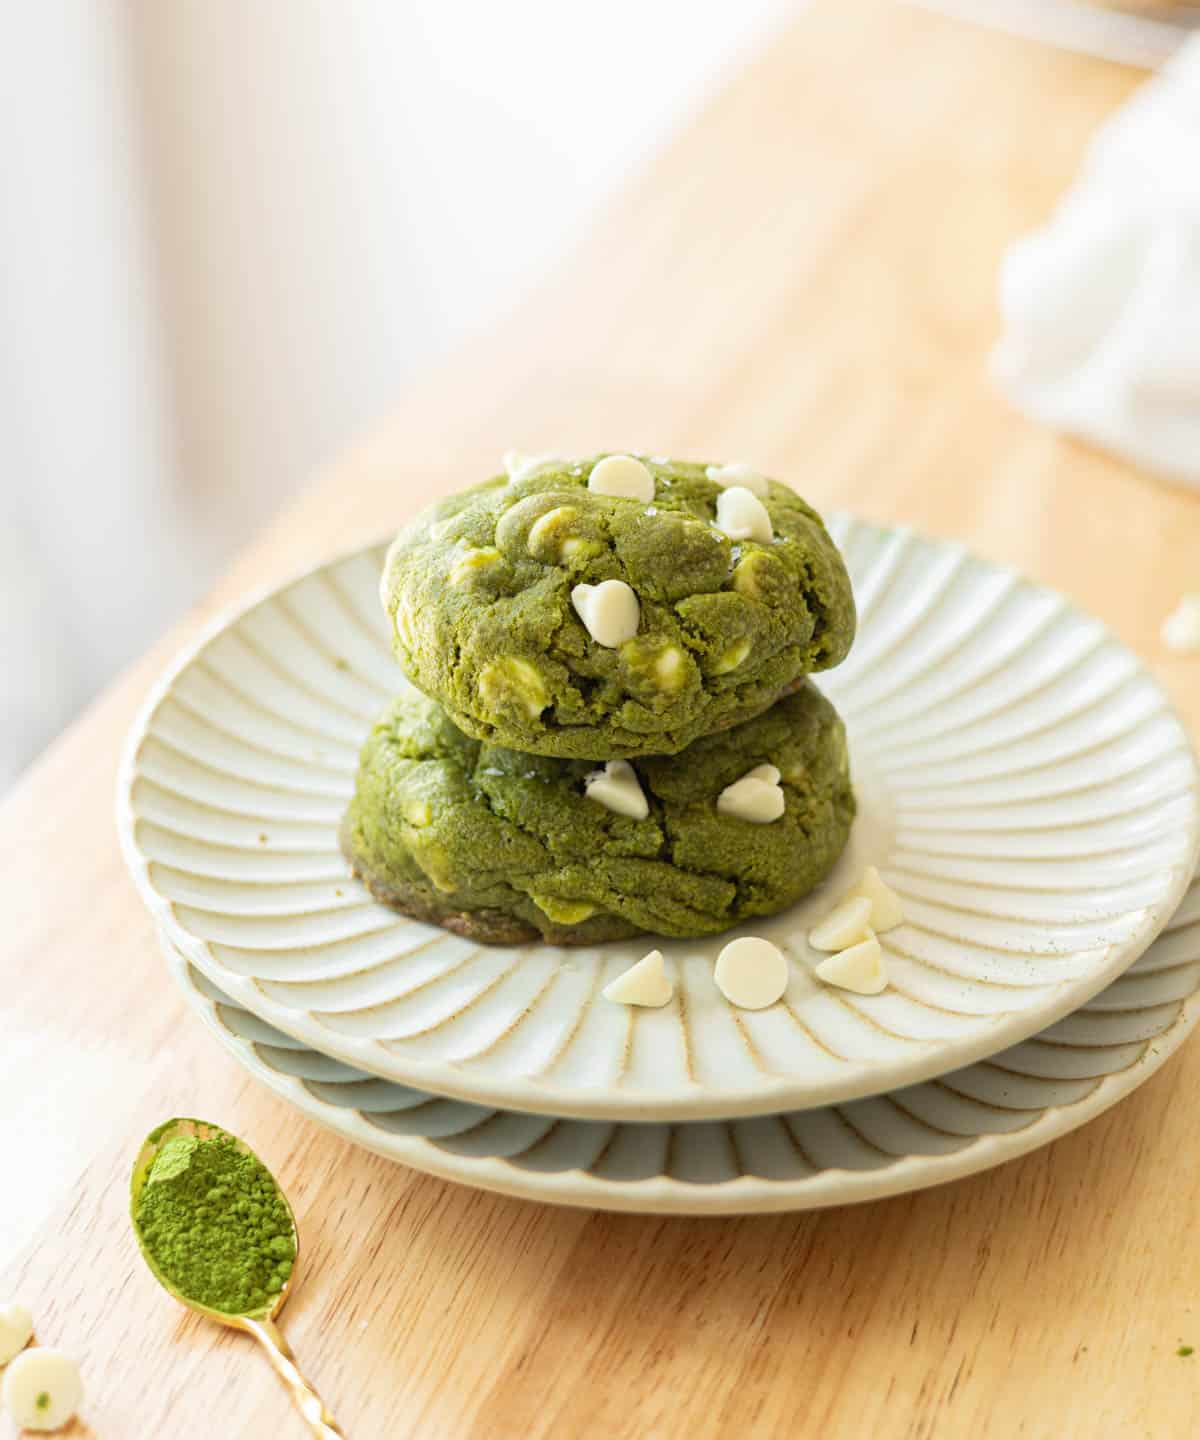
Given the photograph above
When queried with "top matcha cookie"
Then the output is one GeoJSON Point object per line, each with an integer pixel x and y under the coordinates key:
{"type": "Point", "coordinates": [615, 606]}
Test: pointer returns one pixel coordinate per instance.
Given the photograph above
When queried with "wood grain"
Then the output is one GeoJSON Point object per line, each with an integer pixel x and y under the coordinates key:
{"type": "Point", "coordinates": [804, 278]}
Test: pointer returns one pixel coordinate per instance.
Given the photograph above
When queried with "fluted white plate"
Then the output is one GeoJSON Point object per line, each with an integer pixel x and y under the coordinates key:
{"type": "Point", "coordinates": [1022, 782]}
{"type": "Point", "coordinates": [906, 1140]}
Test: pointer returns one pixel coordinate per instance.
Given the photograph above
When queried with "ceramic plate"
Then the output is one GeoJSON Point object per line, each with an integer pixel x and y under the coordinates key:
{"type": "Point", "coordinates": [1022, 782]}
{"type": "Point", "coordinates": [906, 1140]}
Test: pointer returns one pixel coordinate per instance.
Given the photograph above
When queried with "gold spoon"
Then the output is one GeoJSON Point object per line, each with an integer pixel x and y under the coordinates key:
{"type": "Point", "coordinates": [260, 1324]}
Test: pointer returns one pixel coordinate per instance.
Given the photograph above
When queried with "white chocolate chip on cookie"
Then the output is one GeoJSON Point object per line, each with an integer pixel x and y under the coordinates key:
{"type": "Point", "coordinates": [743, 516]}
{"type": "Point", "coordinates": [739, 474]}
{"type": "Point", "coordinates": [618, 789]}
{"type": "Point", "coordinates": [646, 983]}
{"type": "Point", "coordinates": [622, 477]}
{"type": "Point", "coordinates": [756, 797]}
{"type": "Point", "coordinates": [610, 611]}
{"type": "Point", "coordinates": [751, 973]}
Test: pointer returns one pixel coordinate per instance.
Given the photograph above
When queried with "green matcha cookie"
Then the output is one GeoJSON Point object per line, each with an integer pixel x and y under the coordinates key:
{"type": "Point", "coordinates": [505, 847]}
{"type": "Point", "coordinates": [558, 620]}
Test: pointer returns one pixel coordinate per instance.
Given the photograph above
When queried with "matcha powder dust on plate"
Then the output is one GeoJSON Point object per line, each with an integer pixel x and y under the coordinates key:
{"type": "Point", "coordinates": [214, 1225]}
{"type": "Point", "coordinates": [220, 1236]}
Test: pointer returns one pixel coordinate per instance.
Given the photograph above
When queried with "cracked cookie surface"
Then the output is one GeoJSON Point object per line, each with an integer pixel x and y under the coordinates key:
{"type": "Point", "coordinates": [479, 593]}
{"type": "Point", "coordinates": [505, 847]}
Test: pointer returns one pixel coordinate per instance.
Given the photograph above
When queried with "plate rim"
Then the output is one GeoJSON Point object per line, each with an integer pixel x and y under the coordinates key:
{"type": "Point", "coordinates": [771, 1094]}
{"type": "Point", "coordinates": [665, 1195]}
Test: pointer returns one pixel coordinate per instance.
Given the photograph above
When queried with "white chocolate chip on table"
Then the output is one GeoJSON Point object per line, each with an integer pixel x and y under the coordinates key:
{"type": "Point", "coordinates": [42, 1389]}
{"type": "Point", "coordinates": [756, 797]}
{"type": "Point", "coordinates": [845, 925]}
{"type": "Point", "coordinates": [610, 611]}
{"type": "Point", "coordinates": [739, 473]}
{"type": "Point", "coordinates": [646, 983]}
{"type": "Point", "coordinates": [622, 477]}
{"type": "Point", "coordinates": [859, 968]}
{"type": "Point", "coordinates": [742, 516]}
{"type": "Point", "coordinates": [1181, 628]}
{"type": "Point", "coordinates": [618, 789]}
{"type": "Point", "coordinates": [16, 1327]}
{"type": "Point", "coordinates": [751, 973]}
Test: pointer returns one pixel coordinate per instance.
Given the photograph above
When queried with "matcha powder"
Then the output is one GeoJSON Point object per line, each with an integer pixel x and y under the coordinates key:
{"type": "Point", "coordinates": [215, 1225]}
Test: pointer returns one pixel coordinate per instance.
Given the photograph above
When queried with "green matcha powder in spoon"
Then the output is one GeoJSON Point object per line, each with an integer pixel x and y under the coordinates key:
{"type": "Point", "coordinates": [220, 1236]}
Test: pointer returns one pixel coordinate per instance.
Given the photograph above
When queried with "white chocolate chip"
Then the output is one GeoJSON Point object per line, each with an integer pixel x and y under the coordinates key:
{"type": "Point", "coordinates": [845, 925]}
{"type": "Point", "coordinates": [646, 983]}
{"type": "Point", "coordinates": [739, 474]}
{"type": "Point", "coordinates": [16, 1326]}
{"type": "Point", "coordinates": [732, 658]}
{"type": "Point", "coordinates": [886, 910]}
{"type": "Point", "coordinates": [42, 1389]}
{"type": "Point", "coordinates": [769, 773]}
{"type": "Point", "coordinates": [860, 968]}
{"type": "Point", "coordinates": [623, 477]}
{"type": "Point", "coordinates": [743, 516]}
{"type": "Point", "coordinates": [755, 797]}
{"type": "Point", "coordinates": [520, 467]}
{"type": "Point", "coordinates": [513, 681]}
{"type": "Point", "coordinates": [751, 973]}
{"type": "Point", "coordinates": [1181, 629]}
{"type": "Point", "coordinates": [610, 611]}
{"type": "Point", "coordinates": [669, 668]}
{"type": "Point", "coordinates": [470, 561]}
{"type": "Point", "coordinates": [618, 789]}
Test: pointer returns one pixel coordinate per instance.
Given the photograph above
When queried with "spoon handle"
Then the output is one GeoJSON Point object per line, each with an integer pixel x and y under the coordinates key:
{"type": "Point", "coordinates": [308, 1402]}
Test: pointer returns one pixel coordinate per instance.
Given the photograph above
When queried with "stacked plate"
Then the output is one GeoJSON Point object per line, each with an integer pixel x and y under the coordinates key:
{"type": "Point", "coordinates": [1023, 785]}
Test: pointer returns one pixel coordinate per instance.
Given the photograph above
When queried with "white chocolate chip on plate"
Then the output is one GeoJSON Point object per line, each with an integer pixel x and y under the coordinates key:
{"type": "Point", "coordinates": [751, 973]}
{"type": "Point", "coordinates": [610, 611]}
{"type": "Point", "coordinates": [859, 968]}
{"type": "Point", "coordinates": [743, 516]}
{"type": "Point", "coordinates": [1181, 628]}
{"type": "Point", "coordinates": [16, 1326]}
{"type": "Point", "coordinates": [845, 925]}
{"type": "Point", "coordinates": [622, 477]}
{"type": "Point", "coordinates": [618, 789]}
{"type": "Point", "coordinates": [741, 474]}
{"type": "Point", "coordinates": [42, 1389]}
{"type": "Point", "coordinates": [756, 797]}
{"type": "Point", "coordinates": [886, 910]}
{"type": "Point", "coordinates": [646, 983]}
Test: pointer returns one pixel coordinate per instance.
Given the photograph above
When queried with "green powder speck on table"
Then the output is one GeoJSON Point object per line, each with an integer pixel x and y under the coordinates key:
{"type": "Point", "coordinates": [218, 1230]}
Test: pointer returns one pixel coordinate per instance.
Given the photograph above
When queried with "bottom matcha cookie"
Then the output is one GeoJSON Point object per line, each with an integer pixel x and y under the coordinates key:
{"type": "Point", "coordinates": [506, 847]}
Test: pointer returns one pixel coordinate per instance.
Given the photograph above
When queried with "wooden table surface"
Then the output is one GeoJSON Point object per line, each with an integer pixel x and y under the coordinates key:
{"type": "Point", "coordinates": [804, 278]}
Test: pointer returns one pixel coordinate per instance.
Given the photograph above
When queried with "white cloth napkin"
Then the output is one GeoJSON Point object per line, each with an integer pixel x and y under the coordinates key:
{"type": "Point", "coordinates": [1101, 308]}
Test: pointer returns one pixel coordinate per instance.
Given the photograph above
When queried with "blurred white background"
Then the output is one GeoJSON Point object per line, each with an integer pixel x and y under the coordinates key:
{"type": "Point", "coordinates": [231, 229]}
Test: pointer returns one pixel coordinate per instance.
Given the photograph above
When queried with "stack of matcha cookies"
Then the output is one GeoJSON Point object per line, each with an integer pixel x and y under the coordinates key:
{"type": "Point", "coordinates": [611, 731]}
